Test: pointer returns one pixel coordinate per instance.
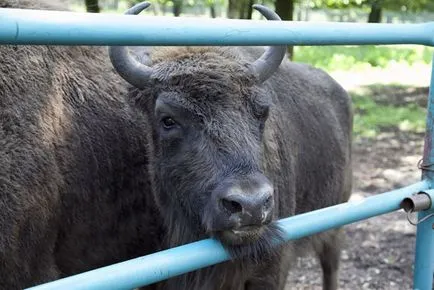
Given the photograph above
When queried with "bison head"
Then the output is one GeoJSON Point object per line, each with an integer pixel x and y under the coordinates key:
{"type": "Point", "coordinates": [207, 108]}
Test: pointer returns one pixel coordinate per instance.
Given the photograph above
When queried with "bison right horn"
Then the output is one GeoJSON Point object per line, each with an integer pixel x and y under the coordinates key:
{"type": "Point", "coordinates": [128, 67]}
{"type": "Point", "coordinates": [270, 61]}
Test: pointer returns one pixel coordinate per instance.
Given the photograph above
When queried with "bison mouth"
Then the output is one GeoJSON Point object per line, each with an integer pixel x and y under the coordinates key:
{"type": "Point", "coordinates": [242, 235]}
{"type": "Point", "coordinates": [251, 241]}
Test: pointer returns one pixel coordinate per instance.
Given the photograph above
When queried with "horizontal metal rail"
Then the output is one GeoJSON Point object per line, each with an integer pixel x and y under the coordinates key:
{"type": "Point", "coordinates": [19, 26]}
{"type": "Point", "coordinates": [176, 261]}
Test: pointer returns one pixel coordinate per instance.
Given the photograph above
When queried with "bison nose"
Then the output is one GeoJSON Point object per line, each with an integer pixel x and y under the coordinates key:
{"type": "Point", "coordinates": [248, 207]}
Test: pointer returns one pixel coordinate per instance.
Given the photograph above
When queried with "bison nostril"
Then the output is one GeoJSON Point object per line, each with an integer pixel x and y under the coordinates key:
{"type": "Point", "coordinates": [231, 206]}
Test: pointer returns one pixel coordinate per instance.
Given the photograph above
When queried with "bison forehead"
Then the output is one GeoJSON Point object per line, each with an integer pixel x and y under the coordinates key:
{"type": "Point", "coordinates": [205, 96]}
{"type": "Point", "coordinates": [201, 65]}
{"type": "Point", "coordinates": [160, 54]}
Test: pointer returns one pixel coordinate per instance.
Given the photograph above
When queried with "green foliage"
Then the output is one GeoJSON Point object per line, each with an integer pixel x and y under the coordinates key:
{"type": "Point", "coordinates": [211, 2]}
{"type": "Point", "coordinates": [360, 57]}
{"type": "Point", "coordinates": [396, 5]}
{"type": "Point", "coordinates": [370, 117]}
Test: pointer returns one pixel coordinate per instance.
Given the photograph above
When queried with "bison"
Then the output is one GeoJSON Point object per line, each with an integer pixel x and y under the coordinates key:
{"type": "Point", "coordinates": [74, 189]}
{"type": "Point", "coordinates": [236, 138]}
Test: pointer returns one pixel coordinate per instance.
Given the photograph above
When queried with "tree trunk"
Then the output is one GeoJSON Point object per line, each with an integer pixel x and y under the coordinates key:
{"type": "Point", "coordinates": [242, 10]}
{"type": "Point", "coordinates": [285, 9]}
{"type": "Point", "coordinates": [92, 6]}
{"type": "Point", "coordinates": [245, 8]}
{"type": "Point", "coordinates": [212, 10]}
{"type": "Point", "coordinates": [177, 7]}
{"type": "Point", "coordinates": [375, 13]}
{"type": "Point", "coordinates": [232, 9]}
{"type": "Point", "coordinates": [250, 9]}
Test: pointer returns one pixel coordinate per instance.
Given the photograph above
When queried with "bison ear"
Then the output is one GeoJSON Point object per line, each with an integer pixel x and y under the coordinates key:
{"type": "Point", "coordinates": [270, 61]}
{"type": "Point", "coordinates": [128, 67]}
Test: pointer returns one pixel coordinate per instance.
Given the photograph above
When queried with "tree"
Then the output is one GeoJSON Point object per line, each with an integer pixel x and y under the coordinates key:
{"type": "Point", "coordinates": [92, 6]}
{"type": "Point", "coordinates": [212, 6]}
{"type": "Point", "coordinates": [232, 9]}
{"type": "Point", "coordinates": [177, 7]}
{"type": "Point", "coordinates": [376, 12]}
{"type": "Point", "coordinates": [246, 9]}
{"type": "Point", "coordinates": [212, 9]}
{"type": "Point", "coordinates": [285, 9]}
{"type": "Point", "coordinates": [240, 9]}
{"type": "Point", "coordinates": [376, 7]}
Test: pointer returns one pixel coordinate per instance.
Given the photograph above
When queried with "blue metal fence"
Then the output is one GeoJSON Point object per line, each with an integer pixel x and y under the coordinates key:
{"type": "Point", "coordinates": [67, 28]}
{"type": "Point", "coordinates": [48, 27]}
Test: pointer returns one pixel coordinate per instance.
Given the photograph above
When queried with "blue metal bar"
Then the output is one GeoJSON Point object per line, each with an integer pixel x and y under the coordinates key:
{"type": "Point", "coordinates": [176, 261]}
{"type": "Point", "coordinates": [18, 26]}
{"type": "Point", "coordinates": [428, 152]}
{"type": "Point", "coordinates": [424, 256]}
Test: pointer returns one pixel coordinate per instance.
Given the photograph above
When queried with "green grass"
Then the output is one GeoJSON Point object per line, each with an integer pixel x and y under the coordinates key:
{"type": "Point", "coordinates": [371, 118]}
{"type": "Point", "coordinates": [361, 57]}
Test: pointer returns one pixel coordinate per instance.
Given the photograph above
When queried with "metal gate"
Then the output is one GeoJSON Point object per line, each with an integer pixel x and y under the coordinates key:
{"type": "Point", "coordinates": [36, 27]}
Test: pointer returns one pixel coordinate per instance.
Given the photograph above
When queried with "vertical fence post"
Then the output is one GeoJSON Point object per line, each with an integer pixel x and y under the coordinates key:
{"type": "Point", "coordinates": [424, 258]}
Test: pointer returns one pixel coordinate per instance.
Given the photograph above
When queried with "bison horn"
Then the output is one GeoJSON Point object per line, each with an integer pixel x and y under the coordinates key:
{"type": "Point", "coordinates": [269, 62]}
{"type": "Point", "coordinates": [128, 67]}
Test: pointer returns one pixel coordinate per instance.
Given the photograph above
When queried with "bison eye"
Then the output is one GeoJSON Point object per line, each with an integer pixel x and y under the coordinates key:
{"type": "Point", "coordinates": [168, 123]}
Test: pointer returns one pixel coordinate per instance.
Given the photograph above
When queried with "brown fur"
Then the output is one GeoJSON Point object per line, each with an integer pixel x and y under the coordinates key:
{"type": "Point", "coordinates": [74, 192]}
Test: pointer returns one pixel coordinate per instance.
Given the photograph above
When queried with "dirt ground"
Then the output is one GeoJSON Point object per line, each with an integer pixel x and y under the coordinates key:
{"type": "Point", "coordinates": [378, 253]}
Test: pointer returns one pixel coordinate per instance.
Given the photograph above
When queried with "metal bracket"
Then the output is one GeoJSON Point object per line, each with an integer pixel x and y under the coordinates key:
{"type": "Point", "coordinates": [417, 202]}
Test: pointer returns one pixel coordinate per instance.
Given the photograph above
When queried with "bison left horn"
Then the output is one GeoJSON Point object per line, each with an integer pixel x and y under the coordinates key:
{"type": "Point", "coordinates": [137, 73]}
{"type": "Point", "coordinates": [128, 67]}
